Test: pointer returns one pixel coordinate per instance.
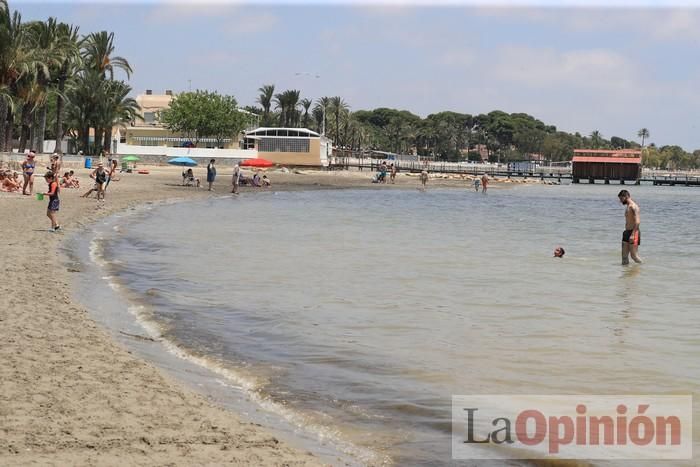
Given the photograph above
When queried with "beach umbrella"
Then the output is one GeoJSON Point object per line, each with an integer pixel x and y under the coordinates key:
{"type": "Point", "coordinates": [256, 163]}
{"type": "Point", "coordinates": [131, 159]}
{"type": "Point", "coordinates": [183, 161]}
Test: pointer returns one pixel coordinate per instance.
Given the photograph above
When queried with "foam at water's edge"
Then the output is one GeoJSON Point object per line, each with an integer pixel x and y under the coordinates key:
{"type": "Point", "coordinates": [324, 435]}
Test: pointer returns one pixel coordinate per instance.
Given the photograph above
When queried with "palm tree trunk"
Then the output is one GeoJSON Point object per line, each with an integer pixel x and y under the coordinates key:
{"type": "Point", "coordinates": [40, 129]}
{"type": "Point", "coordinates": [4, 107]}
{"type": "Point", "coordinates": [9, 127]}
{"type": "Point", "coordinates": [85, 139]}
{"type": "Point", "coordinates": [108, 140]}
{"type": "Point", "coordinates": [59, 116]}
{"type": "Point", "coordinates": [98, 140]}
{"type": "Point", "coordinates": [25, 131]}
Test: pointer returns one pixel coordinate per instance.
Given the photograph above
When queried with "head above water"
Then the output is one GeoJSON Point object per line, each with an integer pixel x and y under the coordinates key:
{"type": "Point", "coordinates": [559, 252]}
{"type": "Point", "coordinates": [624, 196]}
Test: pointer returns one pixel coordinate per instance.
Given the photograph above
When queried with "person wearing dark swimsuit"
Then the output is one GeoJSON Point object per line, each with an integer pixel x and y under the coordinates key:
{"type": "Point", "coordinates": [54, 202]}
{"type": "Point", "coordinates": [28, 167]}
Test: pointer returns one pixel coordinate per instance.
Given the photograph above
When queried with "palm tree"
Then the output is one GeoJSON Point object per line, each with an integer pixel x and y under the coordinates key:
{"type": "Point", "coordinates": [306, 105]}
{"type": "Point", "coordinates": [322, 105]}
{"type": "Point", "coordinates": [82, 103]}
{"type": "Point", "coordinates": [69, 39]}
{"type": "Point", "coordinates": [281, 103]}
{"type": "Point", "coordinates": [267, 92]}
{"type": "Point", "coordinates": [287, 102]}
{"type": "Point", "coordinates": [596, 139]}
{"type": "Point", "coordinates": [17, 59]}
{"type": "Point", "coordinates": [292, 107]}
{"type": "Point", "coordinates": [115, 109]}
{"type": "Point", "coordinates": [46, 38]}
{"type": "Point", "coordinates": [644, 134]}
{"type": "Point", "coordinates": [97, 54]}
{"type": "Point", "coordinates": [339, 107]}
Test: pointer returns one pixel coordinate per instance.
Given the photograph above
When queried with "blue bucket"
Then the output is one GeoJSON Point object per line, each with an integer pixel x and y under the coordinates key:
{"type": "Point", "coordinates": [88, 163]}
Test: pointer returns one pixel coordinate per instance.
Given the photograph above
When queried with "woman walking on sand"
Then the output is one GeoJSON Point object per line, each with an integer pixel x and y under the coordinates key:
{"type": "Point", "coordinates": [28, 167]}
{"type": "Point", "coordinates": [211, 173]}
{"type": "Point", "coordinates": [54, 202]}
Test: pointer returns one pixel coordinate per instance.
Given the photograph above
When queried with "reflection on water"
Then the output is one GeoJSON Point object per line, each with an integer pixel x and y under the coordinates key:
{"type": "Point", "coordinates": [366, 310]}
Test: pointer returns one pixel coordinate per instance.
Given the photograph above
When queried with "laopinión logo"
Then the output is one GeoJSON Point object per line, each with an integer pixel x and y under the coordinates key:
{"type": "Point", "coordinates": [572, 427]}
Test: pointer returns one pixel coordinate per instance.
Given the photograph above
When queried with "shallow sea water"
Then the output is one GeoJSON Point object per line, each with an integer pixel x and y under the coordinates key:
{"type": "Point", "coordinates": [359, 313]}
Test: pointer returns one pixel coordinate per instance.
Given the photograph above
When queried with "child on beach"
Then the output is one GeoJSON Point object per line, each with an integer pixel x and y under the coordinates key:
{"type": "Point", "coordinates": [424, 178]}
{"type": "Point", "coordinates": [54, 202]}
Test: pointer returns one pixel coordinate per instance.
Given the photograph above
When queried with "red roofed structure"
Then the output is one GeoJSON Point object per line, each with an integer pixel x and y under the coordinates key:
{"type": "Point", "coordinates": [605, 164]}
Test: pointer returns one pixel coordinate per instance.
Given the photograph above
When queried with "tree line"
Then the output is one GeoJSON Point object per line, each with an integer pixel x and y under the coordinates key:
{"type": "Point", "coordinates": [56, 83]}
{"type": "Point", "coordinates": [449, 136]}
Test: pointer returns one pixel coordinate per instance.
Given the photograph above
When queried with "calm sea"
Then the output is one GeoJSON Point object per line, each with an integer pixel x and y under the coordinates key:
{"type": "Point", "coordinates": [358, 313]}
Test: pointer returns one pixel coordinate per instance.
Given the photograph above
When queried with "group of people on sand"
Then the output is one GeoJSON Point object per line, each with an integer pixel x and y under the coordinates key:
{"type": "Point", "coordinates": [10, 181]}
{"type": "Point", "coordinates": [238, 178]}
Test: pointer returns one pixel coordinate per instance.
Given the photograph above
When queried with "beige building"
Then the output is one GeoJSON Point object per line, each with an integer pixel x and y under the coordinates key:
{"type": "Point", "coordinates": [289, 146]}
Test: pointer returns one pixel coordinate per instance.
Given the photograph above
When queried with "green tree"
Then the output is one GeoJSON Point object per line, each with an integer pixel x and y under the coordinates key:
{"type": "Point", "coordinates": [202, 114]}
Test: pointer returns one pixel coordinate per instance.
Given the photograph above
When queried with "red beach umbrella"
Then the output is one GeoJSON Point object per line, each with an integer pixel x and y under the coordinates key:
{"type": "Point", "coordinates": [256, 163]}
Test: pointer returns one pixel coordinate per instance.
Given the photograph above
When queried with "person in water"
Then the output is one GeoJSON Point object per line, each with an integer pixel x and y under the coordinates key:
{"type": "Point", "coordinates": [477, 184]}
{"type": "Point", "coordinates": [559, 252]}
{"type": "Point", "coordinates": [484, 183]}
{"type": "Point", "coordinates": [54, 202]}
{"type": "Point", "coordinates": [631, 237]}
{"type": "Point", "coordinates": [28, 167]}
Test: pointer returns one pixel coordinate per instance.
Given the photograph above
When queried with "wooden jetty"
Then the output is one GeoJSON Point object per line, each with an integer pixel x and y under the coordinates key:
{"type": "Point", "coordinates": [545, 173]}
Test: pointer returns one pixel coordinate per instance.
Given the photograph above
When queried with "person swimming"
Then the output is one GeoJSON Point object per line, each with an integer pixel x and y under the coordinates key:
{"type": "Point", "coordinates": [559, 252]}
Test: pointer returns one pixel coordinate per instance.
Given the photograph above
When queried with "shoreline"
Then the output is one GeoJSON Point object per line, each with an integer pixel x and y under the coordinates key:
{"type": "Point", "coordinates": [71, 394]}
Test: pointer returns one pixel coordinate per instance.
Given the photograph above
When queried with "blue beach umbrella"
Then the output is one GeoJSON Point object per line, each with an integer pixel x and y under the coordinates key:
{"type": "Point", "coordinates": [183, 161]}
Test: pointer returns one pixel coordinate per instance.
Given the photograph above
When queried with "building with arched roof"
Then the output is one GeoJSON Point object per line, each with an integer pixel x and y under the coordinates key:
{"type": "Point", "coordinates": [289, 146]}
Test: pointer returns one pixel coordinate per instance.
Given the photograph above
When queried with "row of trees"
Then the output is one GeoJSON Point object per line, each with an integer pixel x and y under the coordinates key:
{"type": "Point", "coordinates": [448, 135]}
{"type": "Point", "coordinates": [56, 83]}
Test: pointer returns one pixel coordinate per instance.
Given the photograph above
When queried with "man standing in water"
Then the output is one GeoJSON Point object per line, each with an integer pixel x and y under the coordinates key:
{"type": "Point", "coordinates": [631, 237]}
{"type": "Point", "coordinates": [484, 183]}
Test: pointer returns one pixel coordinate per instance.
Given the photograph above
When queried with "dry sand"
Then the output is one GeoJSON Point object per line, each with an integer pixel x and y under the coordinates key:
{"type": "Point", "coordinates": [69, 394]}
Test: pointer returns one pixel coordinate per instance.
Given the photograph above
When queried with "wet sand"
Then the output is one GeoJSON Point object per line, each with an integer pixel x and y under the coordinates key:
{"type": "Point", "coordinates": [71, 395]}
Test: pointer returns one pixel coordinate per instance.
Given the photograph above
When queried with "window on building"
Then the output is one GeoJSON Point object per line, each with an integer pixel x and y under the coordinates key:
{"type": "Point", "coordinates": [283, 145]}
{"type": "Point", "coordinates": [149, 117]}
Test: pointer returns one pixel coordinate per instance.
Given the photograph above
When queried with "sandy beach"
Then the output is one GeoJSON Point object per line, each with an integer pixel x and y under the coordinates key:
{"type": "Point", "coordinates": [70, 395]}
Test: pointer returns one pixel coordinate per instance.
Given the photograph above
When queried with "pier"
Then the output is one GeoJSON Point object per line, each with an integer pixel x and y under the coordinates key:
{"type": "Point", "coordinates": [545, 173]}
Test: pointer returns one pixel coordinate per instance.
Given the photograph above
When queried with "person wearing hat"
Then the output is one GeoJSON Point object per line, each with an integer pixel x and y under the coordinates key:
{"type": "Point", "coordinates": [28, 167]}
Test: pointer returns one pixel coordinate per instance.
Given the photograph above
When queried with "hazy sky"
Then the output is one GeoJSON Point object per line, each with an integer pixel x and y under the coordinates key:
{"type": "Point", "coordinates": [614, 70]}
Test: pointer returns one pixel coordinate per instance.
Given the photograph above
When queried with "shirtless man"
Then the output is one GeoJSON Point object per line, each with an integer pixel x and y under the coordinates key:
{"type": "Point", "coordinates": [484, 183]}
{"type": "Point", "coordinates": [631, 237]}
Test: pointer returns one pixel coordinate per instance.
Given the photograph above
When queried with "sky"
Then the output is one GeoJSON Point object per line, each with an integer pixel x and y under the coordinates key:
{"type": "Point", "coordinates": [615, 70]}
